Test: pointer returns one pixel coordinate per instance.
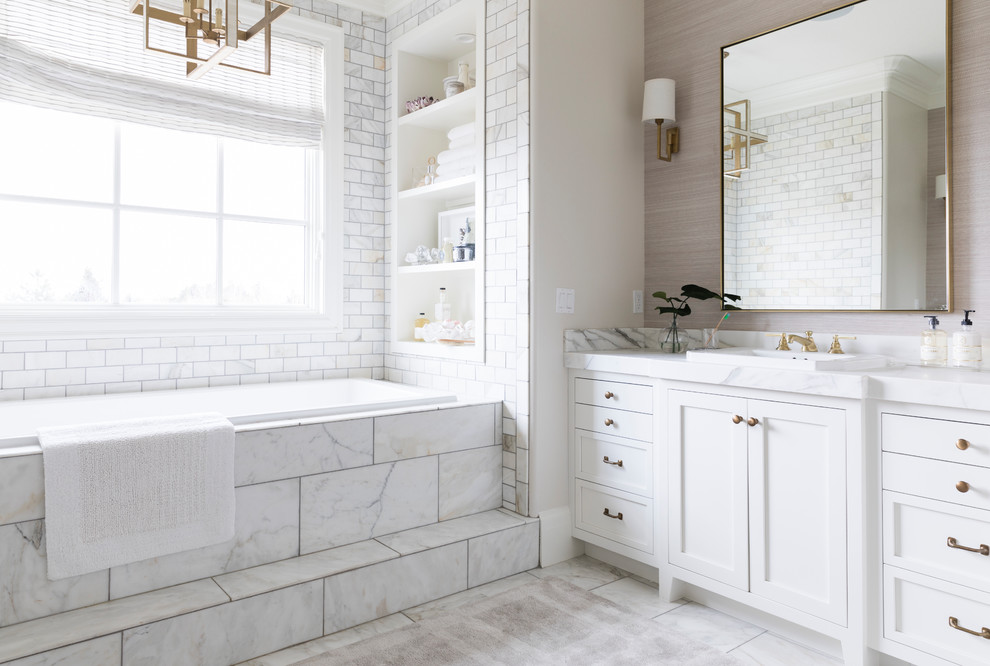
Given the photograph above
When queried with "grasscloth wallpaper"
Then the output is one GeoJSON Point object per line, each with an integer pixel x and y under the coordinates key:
{"type": "Point", "coordinates": [683, 198]}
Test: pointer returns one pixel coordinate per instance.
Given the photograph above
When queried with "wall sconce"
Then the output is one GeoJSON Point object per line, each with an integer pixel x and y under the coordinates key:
{"type": "Point", "coordinates": [658, 105]}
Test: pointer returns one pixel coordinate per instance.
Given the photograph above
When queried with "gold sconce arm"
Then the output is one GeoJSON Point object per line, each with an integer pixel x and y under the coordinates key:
{"type": "Point", "coordinates": [673, 141]}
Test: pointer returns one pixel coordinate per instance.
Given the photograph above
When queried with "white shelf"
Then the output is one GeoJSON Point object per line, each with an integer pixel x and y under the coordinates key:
{"type": "Point", "coordinates": [437, 268]}
{"type": "Point", "coordinates": [445, 114]}
{"type": "Point", "coordinates": [456, 188]}
{"type": "Point", "coordinates": [436, 350]}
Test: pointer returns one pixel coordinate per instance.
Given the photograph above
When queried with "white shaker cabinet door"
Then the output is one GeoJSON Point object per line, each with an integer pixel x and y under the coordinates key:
{"type": "Point", "coordinates": [797, 491]}
{"type": "Point", "coordinates": [707, 464]}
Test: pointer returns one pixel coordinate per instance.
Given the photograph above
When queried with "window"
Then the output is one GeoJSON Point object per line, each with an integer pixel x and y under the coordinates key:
{"type": "Point", "coordinates": [212, 208]}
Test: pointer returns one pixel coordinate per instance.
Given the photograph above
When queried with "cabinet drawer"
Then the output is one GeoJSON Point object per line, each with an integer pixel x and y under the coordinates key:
{"type": "Point", "coordinates": [614, 462]}
{"type": "Point", "coordinates": [917, 611]}
{"type": "Point", "coordinates": [937, 479]}
{"type": "Point", "coordinates": [916, 535]}
{"type": "Point", "coordinates": [612, 421]}
{"type": "Point", "coordinates": [936, 438]}
{"type": "Point", "coordinates": [634, 529]}
{"type": "Point", "coordinates": [631, 397]}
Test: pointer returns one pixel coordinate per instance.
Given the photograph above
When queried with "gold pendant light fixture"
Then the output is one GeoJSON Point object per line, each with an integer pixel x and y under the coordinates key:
{"type": "Point", "coordinates": [213, 22]}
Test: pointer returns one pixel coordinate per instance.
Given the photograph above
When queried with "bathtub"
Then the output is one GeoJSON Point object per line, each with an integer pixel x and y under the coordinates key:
{"type": "Point", "coordinates": [243, 405]}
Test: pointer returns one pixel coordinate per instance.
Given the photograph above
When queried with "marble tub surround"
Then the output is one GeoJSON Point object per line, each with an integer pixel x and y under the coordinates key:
{"type": "Point", "coordinates": [295, 600]}
{"type": "Point", "coordinates": [300, 489]}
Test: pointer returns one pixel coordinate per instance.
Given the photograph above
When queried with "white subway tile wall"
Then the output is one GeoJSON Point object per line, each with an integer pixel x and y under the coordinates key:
{"type": "Point", "coordinates": [43, 368]}
{"type": "Point", "coordinates": [827, 238]}
{"type": "Point", "coordinates": [505, 373]}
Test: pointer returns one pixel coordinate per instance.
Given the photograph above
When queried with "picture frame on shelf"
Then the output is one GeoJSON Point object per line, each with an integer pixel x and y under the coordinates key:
{"type": "Point", "coordinates": [450, 222]}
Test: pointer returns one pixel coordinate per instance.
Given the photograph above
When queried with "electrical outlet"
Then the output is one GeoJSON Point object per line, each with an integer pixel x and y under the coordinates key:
{"type": "Point", "coordinates": [637, 301]}
{"type": "Point", "coordinates": [565, 301]}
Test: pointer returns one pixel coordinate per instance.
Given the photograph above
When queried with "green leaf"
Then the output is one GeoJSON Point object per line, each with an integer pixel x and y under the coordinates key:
{"type": "Point", "coordinates": [732, 297]}
{"type": "Point", "coordinates": [699, 293]}
{"type": "Point", "coordinates": [660, 294]}
{"type": "Point", "coordinates": [665, 309]}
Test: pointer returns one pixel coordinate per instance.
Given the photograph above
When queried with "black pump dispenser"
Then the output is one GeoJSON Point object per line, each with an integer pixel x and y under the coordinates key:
{"type": "Point", "coordinates": [966, 321]}
{"type": "Point", "coordinates": [933, 321]}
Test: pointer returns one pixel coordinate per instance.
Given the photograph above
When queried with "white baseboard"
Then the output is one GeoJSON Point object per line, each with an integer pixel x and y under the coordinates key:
{"type": "Point", "coordinates": [623, 562]}
{"type": "Point", "coordinates": [556, 542]}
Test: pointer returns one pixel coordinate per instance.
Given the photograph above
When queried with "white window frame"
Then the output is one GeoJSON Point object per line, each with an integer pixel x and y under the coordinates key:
{"type": "Point", "coordinates": [326, 314]}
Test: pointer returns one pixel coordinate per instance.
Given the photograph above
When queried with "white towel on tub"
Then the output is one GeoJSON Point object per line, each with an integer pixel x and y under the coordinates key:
{"type": "Point", "coordinates": [127, 491]}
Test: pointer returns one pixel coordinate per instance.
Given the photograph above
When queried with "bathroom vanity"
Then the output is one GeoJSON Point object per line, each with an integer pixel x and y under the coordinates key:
{"type": "Point", "coordinates": [852, 505]}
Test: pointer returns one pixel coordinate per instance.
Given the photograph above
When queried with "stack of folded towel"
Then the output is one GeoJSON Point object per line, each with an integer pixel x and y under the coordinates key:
{"type": "Point", "coordinates": [459, 159]}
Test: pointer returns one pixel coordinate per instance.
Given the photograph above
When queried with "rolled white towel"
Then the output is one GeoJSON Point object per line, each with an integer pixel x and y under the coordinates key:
{"type": "Point", "coordinates": [458, 155]}
{"type": "Point", "coordinates": [458, 165]}
{"type": "Point", "coordinates": [450, 172]}
{"type": "Point", "coordinates": [461, 131]}
{"type": "Point", "coordinates": [463, 142]}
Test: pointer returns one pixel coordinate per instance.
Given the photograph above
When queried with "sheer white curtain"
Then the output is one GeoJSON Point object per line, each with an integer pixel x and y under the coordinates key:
{"type": "Point", "coordinates": [89, 57]}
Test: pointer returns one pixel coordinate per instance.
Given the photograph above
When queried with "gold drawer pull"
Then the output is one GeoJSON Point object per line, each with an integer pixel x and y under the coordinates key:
{"type": "Point", "coordinates": [962, 487]}
{"type": "Point", "coordinates": [609, 395]}
{"type": "Point", "coordinates": [982, 550]}
{"type": "Point", "coordinates": [984, 632]}
{"type": "Point", "coordinates": [737, 419]}
{"type": "Point", "coordinates": [609, 462]}
{"type": "Point", "coordinates": [609, 422]}
{"type": "Point", "coordinates": [962, 444]}
{"type": "Point", "coordinates": [618, 516]}
{"type": "Point", "coordinates": [752, 421]}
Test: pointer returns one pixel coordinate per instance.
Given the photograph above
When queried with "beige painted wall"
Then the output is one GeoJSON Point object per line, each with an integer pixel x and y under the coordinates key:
{"type": "Point", "coordinates": [683, 198]}
{"type": "Point", "coordinates": [586, 203]}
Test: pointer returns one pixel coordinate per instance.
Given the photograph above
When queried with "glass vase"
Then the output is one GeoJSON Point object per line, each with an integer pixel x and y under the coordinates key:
{"type": "Point", "coordinates": [673, 340]}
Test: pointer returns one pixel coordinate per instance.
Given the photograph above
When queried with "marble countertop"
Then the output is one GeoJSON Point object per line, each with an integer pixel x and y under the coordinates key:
{"type": "Point", "coordinates": [944, 387]}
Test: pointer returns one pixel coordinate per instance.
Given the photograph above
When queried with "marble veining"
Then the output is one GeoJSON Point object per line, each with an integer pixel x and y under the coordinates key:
{"type": "Point", "coordinates": [427, 433]}
{"type": "Point", "coordinates": [269, 577]}
{"type": "Point", "coordinates": [470, 482]}
{"type": "Point", "coordinates": [282, 453]}
{"type": "Point", "coordinates": [338, 508]}
{"type": "Point", "coordinates": [504, 553]}
{"type": "Point", "coordinates": [356, 597]}
{"type": "Point", "coordinates": [230, 633]}
{"type": "Point", "coordinates": [25, 591]}
{"type": "Point", "coordinates": [22, 489]}
{"type": "Point", "coordinates": [74, 626]}
{"type": "Point", "coordinates": [266, 529]}
{"type": "Point", "coordinates": [450, 531]}
{"type": "Point", "coordinates": [97, 652]}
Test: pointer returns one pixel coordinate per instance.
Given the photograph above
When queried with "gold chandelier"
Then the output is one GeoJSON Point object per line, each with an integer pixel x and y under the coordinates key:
{"type": "Point", "coordinates": [213, 23]}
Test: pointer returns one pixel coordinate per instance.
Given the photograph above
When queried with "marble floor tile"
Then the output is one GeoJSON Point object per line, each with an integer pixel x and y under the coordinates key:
{"type": "Point", "coordinates": [770, 650]}
{"type": "Point", "coordinates": [636, 597]}
{"type": "Point", "coordinates": [57, 631]}
{"type": "Point", "coordinates": [502, 554]}
{"type": "Point", "coordinates": [303, 651]}
{"type": "Point", "coordinates": [468, 597]}
{"type": "Point", "coordinates": [449, 531]}
{"type": "Point", "coordinates": [583, 571]}
{"type": "Point", "coordinates": [270, 577]}
{"type": "Point", "coordinates": [712, 627]}
{"type": "Point", "coordinates": [97, 652]}
{"type": "Point", "coordinates": [229, 633]}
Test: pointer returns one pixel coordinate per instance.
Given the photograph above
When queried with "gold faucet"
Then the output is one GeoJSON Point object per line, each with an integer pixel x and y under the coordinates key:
{"type": "Point", "coordinates": [782, 344]}
{"type": "Point", "coordinates": [807, 343]}
{"type": "Point", "coordinates": [836, 347]}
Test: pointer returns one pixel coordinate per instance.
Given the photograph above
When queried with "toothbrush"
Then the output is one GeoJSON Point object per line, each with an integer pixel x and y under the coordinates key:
{"type": "Point", "coordinates": [715, 330]}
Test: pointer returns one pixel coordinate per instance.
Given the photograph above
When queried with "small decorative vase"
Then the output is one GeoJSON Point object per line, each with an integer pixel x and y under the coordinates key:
{"type": "Point", "coordinates": [672, 339]}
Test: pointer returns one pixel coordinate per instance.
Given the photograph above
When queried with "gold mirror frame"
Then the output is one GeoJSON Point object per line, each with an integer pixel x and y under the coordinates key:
{"type": "Point", "coordinates": [744, 131]}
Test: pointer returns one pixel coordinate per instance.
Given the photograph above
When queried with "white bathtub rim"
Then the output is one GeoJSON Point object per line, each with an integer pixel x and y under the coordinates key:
{"type": "Point", "coordinates": [26, 443]}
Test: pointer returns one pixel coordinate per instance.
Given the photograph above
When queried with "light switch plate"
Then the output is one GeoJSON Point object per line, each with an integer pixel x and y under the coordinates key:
{"type": "Point", "coordinates": [637, 301]}
{"type": "Point", "coordinates": [565, 301]}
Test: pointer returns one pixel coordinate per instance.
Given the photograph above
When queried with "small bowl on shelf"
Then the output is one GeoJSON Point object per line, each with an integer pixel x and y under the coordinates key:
{"type": "Point", "coordinates": [451, 86]}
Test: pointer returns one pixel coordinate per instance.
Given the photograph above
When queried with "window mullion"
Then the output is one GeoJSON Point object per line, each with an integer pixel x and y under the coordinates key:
{"type": "Point", "coordinates": [219, 221]}
{"type": "Point", "coordinates": [115, 255]}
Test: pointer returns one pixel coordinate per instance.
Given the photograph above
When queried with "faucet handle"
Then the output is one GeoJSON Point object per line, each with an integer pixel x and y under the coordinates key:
{"type": "Point", "coordinates": [782, 345]}
{"type": "Point", "coordinates": [836, 347]}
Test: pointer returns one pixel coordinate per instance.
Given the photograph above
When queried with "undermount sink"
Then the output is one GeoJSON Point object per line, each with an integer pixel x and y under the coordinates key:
{"type": "Point", "coordinates": [787, 360]}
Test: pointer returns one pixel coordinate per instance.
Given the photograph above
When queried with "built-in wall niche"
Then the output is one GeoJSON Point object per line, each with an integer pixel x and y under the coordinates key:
{"type": "Point", "coordinates": [836, 135]}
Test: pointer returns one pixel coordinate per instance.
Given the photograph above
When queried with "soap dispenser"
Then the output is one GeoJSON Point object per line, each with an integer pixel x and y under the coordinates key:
{"type": "Point", "coordinates": [967, 348]}
{"type": "Point", "coordinates": [934, 344]}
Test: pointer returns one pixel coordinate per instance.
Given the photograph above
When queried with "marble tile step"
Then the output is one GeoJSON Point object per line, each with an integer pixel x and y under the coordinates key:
{"type": "Point", "coordinates": [56, 631]}
{"type": "Point", "coordinates": [452, 531]}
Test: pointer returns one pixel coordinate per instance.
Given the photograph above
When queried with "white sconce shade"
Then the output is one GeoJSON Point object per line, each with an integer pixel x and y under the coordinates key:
{"type": "Point", "coordinates": [941, 190]}
{"type": "Point", "coordinates": [658, 100]}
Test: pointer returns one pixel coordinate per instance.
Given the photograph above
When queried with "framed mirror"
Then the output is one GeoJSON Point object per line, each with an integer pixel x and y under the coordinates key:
{"type": "Point", "coordinates": [835, 161]}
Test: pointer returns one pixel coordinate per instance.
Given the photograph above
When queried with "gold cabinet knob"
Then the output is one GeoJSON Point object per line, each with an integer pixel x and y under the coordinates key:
{"type": "Point", "coordinates": [609, 395]}
{"type": "Point", "coordinates": [962, 487]}
{"type": "Point", "coordinates": [609, 422]}
{"type": "Point", "coordinates": [962, 444]}
{"type": "Point", "coordinates": [737, 419]}
{"type": "Point", "coordinates": [752, 421]}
